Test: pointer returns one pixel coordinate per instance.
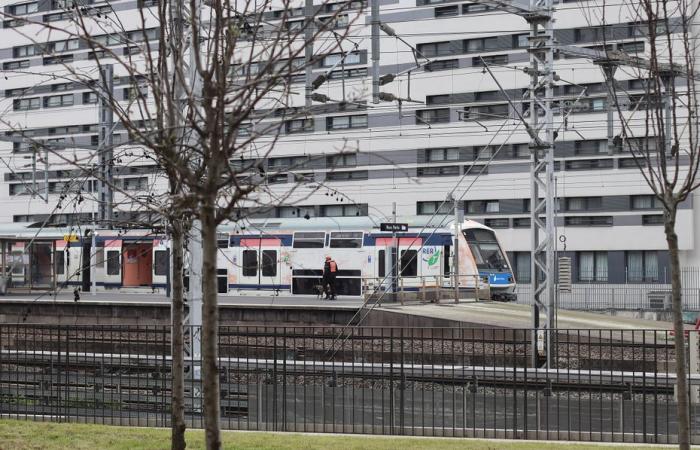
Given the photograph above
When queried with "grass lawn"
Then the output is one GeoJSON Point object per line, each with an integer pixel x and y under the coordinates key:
{"type": "Point", "coordinates": [24, 435]}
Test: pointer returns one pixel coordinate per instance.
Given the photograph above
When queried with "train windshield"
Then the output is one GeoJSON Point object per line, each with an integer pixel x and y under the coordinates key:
{"type": "Point", "coordinates": [487, 253]}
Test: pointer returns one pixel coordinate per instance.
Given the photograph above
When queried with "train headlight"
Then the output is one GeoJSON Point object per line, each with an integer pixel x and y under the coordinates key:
{"type": "Point", "coordinates": [485, 279]}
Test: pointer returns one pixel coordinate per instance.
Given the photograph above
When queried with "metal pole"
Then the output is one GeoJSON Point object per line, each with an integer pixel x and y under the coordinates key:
{"type": "Point", "coordinates": [46, 175]}
{"type": "Point", "coordinates": [308, 49]}
{"type": "Point", "coordinates": [93, 264]}
{"type": "Point", "coordinates": [374, 19]}
{"type": "Point", "coordinates": [456, 249]}
{"type": "Point", "coordinates": [609, 72]}
{"type": "Point", "coordinates": [106, 123]}
{"type": "Point", "coordinates": [394, 253]}
{"type": "Point", "coordinates": [540, 93]}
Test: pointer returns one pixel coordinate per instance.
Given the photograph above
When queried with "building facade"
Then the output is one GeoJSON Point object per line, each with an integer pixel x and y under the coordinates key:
{"type": "Point", "coordinates": [455, 127]}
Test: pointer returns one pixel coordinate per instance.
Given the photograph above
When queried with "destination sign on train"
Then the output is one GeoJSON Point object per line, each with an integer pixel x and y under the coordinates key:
{"type": "Point", "coordinates": [393, 226]}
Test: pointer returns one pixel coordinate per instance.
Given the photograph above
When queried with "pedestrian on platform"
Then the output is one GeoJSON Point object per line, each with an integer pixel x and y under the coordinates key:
{"type": "Point", "coordinates": [330, 271]}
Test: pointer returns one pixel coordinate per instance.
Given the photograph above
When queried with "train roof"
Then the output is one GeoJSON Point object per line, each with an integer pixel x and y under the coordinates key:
{"type": "Point", "coordinates": [442, 223]}
{"type": "Point", "coordinates": [415, 223]}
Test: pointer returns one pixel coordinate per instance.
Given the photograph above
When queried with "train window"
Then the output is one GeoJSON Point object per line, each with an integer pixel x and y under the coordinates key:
{"type": "Point", "coordinates": [60, 262]}
{"type": "Point", "coordinates": [309, 239]}
{"type": "Point", "coordinates": [160, 266]}
{"type": "Point", "coordinates": [409, 263]}
{"type": "Point", "coordinates": [346, 239]}
{"type": "Point", "coordinates": [250, 263]}
{"type": "Point", "coordinates": [113, 262]}
{"type": "Point", "coordinates": [269, 263]}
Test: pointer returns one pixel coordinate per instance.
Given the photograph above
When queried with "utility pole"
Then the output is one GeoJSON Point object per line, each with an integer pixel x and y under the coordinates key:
{"type": "Point", "coordinates": [308, 50]}
{"type": "Point", "coordinates": [184, 53]}
{"type": "Point", "coordinates": [458, 229]}
{"type": "Point", "coordinates": [374, 19]}
{"type": "Point", "coordinates": [105, 148]}
{"type": "Point", "coordinates": [540, 92]}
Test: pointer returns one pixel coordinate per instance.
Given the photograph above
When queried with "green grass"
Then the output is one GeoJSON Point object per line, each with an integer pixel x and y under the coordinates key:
{"type": "Point", "coordinates": [25, 435]}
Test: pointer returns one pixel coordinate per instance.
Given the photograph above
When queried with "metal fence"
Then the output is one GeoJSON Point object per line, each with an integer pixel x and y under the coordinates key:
{"type": "Point", "coordinates": [602, 385]}
{"type": "Point", "coordinates": [653, 295]}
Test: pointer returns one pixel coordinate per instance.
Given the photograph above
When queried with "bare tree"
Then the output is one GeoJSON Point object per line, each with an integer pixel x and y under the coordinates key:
{"type": "Point", "coordinates": [659, 128]}
{"type": "Point", "coordinates": [209, 114]}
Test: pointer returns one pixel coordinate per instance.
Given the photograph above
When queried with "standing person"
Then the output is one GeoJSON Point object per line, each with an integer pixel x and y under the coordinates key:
{"type": "Point", "coordinates": [330, 271]}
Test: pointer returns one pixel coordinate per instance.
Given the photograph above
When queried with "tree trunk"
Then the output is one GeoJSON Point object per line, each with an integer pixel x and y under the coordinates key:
{"type": "Point", "coordinates": [210, 332]}
{"type": "Point", "coordinates": [677, 307]}
{"type": "Point", "coordinates": [177, 346]}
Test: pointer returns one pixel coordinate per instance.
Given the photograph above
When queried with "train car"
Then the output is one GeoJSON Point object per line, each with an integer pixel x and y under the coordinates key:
{"type": "Point", "coordinates": [271, 256]}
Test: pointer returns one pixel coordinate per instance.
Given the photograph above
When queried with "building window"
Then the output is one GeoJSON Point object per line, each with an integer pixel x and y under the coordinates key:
{"type": "Point", "coordinates": [299, 126]}
{"type": "Point", "coordinates": [653, 219]}
{"type": "Point", "coordinates": [438, 207]}
{"type": "Point", "coordinates": [435, 49]}
{"type": "Point", "coordinates": [642, 266]}
{"type": "Point", "coordinates": [442, 154]}
{"type": "Point", "coordinates": [287, 163]}
{"type": "Point", "coordinates": [588, 221]}
{"type": "Point", "coordinates": [62, 59]}
{"type": "Point", "coordinates": [593, 266]}
{"type": "Point", "coordinates": [89, 97]}
{"type": "Point", "coordinates": [497, 223]}
{"type": "Point", "coordinates": [14, 65]}
{"type": "Point", "coordinates": [62, 46]}
{"type": "Point", "coordinates": [332, 60]}
{"type": "Point", "coordinates": [486, 112]}
{"type": "Point", "coordinates": [480, 61]}
{"type": "Point", "coordinates": [345, 122]}
{"type": "Point", "coordinates": [483, 206]}
{"type": "Point", "coordinates": [584, 203]}
{"type": "Point", "coordinates": [521, 151]}
{"type": "Point", "coordinates": [471, 8]}
{"type": "Point", "coordinates": [342, 160]}
{"type": "Point", "coordinates": [445, 64]}
{"type": "Point", "coordinates": [521, 222]}
{"type": "Point", "coordinates": [428, 116]}
{"type": "Point", "coordinates": [438, 171]}
{"type": "Point", "coordinates": [295, 211]}
{"type": "Point", "coordinates": [521, 41]}
{"type": "Point", "coordinates": [447, 11]}
{"type": "Point", "coordinates": [55, 101]}
{"type": "Point", "coordinates": [24, 51]}
{"type": "Point", "coordinates": [593, 147]}
{"type": "Point", "coordinates": [522, 268]}
{"type": "Point", "coordinates": [645, 202]}
{"type": "Point", "coordinates": [342, 210]}
{"type": "Point", "coordinates": [24, 8]}
{"type": "Point", "coordinates": [347, 176]}
{"type": "Point", "coordinates": [481, 45]}
{"type": "Point", "coordinates": [589, 164]}
{"type": "Point", "coordinates": [26, 104]}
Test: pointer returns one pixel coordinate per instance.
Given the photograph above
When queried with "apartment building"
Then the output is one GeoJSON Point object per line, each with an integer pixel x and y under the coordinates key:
{"type": "Point", "coordinates": [454, 127]}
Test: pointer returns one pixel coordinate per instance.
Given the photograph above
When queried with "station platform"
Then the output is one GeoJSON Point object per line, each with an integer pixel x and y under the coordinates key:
{"type": "Point", "coordinates": [472, 314]}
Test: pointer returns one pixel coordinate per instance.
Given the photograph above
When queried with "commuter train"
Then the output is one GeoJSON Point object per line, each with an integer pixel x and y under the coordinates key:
{"type": "Point", "coordinates": [273, 255]}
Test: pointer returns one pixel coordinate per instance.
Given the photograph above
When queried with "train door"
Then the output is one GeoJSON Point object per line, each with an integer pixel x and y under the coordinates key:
{"type": "Point", "coordinates": [137, 264]}
{"type": "Point", "coordinates": [409, 261]}
{"type": "Point", "coordinates": [260, 263]}
{"type": "Point", "coordinates": [18, 258]}
{"type": "Point", "coordinates": [161, 263]}
{"type": "Point", "coordinates": [113, 263]}
{"type": "Point", "coordinates": [60, 262]}
{"type": "Point", "coordinates": [41, 264]}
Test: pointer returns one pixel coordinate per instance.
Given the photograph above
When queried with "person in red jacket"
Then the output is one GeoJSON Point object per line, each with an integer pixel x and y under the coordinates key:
{"type": "Point", "coordinates": [330, 271]}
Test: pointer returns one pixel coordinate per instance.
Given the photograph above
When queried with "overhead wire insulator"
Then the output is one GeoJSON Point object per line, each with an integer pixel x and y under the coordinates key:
{"type": "Point", "coordinates": [386, 79]}
{"type": "Point", "coordinates": [319, 81]}
{"type": "Point", "coordinates": [321, 98]}
{"type": "Point", "coordinates": [387, 97]}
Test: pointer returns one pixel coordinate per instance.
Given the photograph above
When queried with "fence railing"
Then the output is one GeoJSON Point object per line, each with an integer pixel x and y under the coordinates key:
{"type": "Point", "coordinates": [602, 385]}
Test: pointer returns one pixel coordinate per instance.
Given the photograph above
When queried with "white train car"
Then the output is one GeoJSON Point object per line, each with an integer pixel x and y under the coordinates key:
{"type": "Point", "coordinates": [273, 255]}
